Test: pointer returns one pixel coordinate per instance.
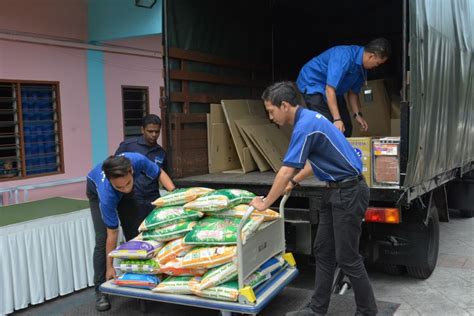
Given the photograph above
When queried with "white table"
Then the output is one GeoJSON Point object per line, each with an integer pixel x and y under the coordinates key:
{"type": "Point", "coordinates": [43, 258]}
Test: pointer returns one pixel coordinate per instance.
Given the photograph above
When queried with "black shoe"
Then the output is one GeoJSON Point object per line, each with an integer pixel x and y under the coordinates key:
{"type": "Point", "coordinates": [102, 303]}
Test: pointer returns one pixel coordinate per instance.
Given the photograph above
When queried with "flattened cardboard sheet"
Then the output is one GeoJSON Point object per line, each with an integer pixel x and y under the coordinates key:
{"type": "Point", "coordinates": [242, 109]}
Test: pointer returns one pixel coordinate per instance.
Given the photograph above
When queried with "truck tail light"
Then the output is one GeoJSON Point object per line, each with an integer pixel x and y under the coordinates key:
{"type": "Point", "coordinates": [382, 215]}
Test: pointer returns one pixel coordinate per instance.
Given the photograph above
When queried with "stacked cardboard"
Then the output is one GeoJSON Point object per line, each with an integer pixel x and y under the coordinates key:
{"type": "Point", "coordinates": [376, 112]}
{"type": "Point", "coordinates": [248, 135]}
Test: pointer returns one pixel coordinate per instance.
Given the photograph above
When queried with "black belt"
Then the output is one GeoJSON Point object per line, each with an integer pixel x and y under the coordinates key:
{"type": "Point", "coordinates": [346, 183]}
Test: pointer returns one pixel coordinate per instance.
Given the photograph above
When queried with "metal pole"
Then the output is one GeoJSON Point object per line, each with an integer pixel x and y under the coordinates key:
{"type": "Point", "coordinates": [167, 101]}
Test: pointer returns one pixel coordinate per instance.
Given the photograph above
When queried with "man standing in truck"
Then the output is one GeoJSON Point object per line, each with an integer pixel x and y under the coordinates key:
{"type": "Point", "coordinates": [317, 147]}
{"type": "Point", "coordinates": [325, 79]}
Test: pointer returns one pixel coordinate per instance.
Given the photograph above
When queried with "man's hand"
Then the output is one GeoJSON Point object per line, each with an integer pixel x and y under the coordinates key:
{"type": "Point", "coordinates": [340, 126]}
{"type": "Point", "coordinates": [289, 187]}
{"type": "Point", "coordinates": [110, 273]}
{"type": "Point", "coordinates": [363, 124]}
{"type": "Point", "coordinates": [258, 204]}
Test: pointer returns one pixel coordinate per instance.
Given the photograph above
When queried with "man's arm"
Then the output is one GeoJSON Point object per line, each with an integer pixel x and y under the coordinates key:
{"type": "Point", "coordinates": [279, 184]}
{"type": "Point", "coordinates": [110, 244]}
{"type": "Point", "coordinates": [166, 181]}
{"type": "Point", "coordinates": [355, 106]}
{"type": "Point", "coordinates": [300, 176]}
{"type": "Point", "coordinates": [332, 105]}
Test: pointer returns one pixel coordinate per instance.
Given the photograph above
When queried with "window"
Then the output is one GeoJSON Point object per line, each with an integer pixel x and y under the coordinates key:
{"type": "Point", "coordinates": [30, 139]}
{"type": "Point", "coordinates": [135, 107]}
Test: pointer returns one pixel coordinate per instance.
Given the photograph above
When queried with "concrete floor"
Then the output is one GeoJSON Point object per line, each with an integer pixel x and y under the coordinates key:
{"type": "Point", "coordinates": [449, 290]}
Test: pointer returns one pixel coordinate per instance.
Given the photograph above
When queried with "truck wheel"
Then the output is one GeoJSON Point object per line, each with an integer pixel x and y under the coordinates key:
{"type": "Point", "coordinates": [392, 269]}
{"type": "Point", "coordinates": [467, 213]}
{"type": "Point", "coordinates": [431, 232]}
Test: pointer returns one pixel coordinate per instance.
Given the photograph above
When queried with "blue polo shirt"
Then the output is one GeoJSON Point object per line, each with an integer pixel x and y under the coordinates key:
{"type": "Point", "coordinates": [147, 190]}
{"type": "Point", "coordinates": [340, 67]}
{"type": "Point", "coordinates": [316, 139]}
{"type": "Point", "coordinates": [109, 197]}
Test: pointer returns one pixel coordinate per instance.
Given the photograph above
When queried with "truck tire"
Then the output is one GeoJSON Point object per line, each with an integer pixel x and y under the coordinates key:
{"type": "Point", "coordinates": [467, 213]}
{"type": "Point", "coordinates": [431, 231]}
{"type": "Point", "coordinates": [392, 269]}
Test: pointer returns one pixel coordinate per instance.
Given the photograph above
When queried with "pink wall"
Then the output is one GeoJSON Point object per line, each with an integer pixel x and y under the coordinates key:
{"type": "Point", "coordinates": [65, 18]}
{"type": "Point", "coordinates": [131, 70]}
{"type": "Point", "coordinates": [23, 61]}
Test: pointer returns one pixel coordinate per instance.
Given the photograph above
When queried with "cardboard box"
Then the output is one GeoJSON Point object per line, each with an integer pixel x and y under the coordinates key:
{"type": "Point", "coordinates": [221, 150]}
{"type": "Point", "coordinates": [395, 127]}
{"type": "Point", "coordinates": [363, 148]}
{"type": "Point", "coordinates": [376, 112]}
{"type": "Point", "coordinates": [386, 162]}
{"type": "Point", "coordinates": [395, 106]}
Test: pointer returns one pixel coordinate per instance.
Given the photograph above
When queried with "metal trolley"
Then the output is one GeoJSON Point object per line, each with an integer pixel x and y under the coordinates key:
{"type": "Point", "coordinates": [265, 244]}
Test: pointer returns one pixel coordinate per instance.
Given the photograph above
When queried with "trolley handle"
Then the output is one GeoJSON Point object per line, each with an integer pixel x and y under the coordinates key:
{"type": "Point", "coordinates": [247, 214]}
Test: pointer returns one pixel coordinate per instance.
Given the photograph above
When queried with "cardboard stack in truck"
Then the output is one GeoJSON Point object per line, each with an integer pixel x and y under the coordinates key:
{"type": "Point", "coordinates": [242, 139]}
{"type": "Point", "coordinates": [376, 112]}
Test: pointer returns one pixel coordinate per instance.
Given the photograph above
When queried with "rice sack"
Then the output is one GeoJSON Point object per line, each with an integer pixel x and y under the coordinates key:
{"type": "Point", "coordinates": [136, 249]}
{"type": "Point", "coordinates": [209, 257]}
{"type": "Point", "coordinates": [240, 210]}
{"type": "Point", "coordinates": [220, 200]}
{"type": "Point", "coordinates": [228, 291]}
{"type": "Point", "coordinates": [148, 266]}
{"type": "Point", "coordinates": [165, 216]}
{"type": "Point", "coordinates": [181, 196]}
{"type": "Point", "coordinates": [218, 275]}
{"type": "Point", "coordinates": [221, 231]}
{"type": "Point", "coordinates": [173, 249]}
{"type": "Point", "coordinates": [175, 268]}
{"type": "Point", "coordinates": [170, 232]}
{"type": "Point", "coordinates": [140, 281]}
{"type": "Point", "coordinates": [174, 285]}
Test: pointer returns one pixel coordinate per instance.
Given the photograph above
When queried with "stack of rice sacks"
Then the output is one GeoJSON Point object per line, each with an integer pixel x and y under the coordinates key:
{"type": "Point", "coordinates": [197, 229]}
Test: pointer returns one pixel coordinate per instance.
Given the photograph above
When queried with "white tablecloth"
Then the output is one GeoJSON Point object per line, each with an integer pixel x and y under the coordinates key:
{"type": "Point", "coordinates": [44, 258]}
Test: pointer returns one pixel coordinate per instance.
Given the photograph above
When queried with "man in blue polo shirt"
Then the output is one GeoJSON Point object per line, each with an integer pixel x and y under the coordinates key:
{"type": "Point", "coordinates": [325, 79]}
{"type": "Point", "coordinates": [135, 206]}
{"type": "Point", "coordinates": [106, 185]}
{"type": "Point", "coordinates": [318, 147]}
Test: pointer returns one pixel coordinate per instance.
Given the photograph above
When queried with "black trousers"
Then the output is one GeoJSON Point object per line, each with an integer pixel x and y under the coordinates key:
{"type": "Point", "coordinates": [337, 241]}
{"type": "Point", "coordinates": [317, 103]}
{"type": "Point", "coordinates": [131, 213]}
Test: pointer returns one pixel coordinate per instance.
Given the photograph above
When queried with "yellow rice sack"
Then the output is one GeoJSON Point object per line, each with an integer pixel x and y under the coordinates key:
{"type": "Point", "coordinates": [181, 196]}
{"type": "Point", "coordinates": [173, 249]}
{"type": "Point", "coordinates": [228, 291]}
{"type": "Point", "coordinates": [174, 285]}
{"type": "Point", "coordinates": [241, 209]}
{"type": "Point", "coordinates": [175, 268]}
{"type": "Point", "coordinates": [209, 257]}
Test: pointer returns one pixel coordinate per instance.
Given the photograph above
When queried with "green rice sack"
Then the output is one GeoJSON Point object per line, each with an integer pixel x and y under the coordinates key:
{"type": "Point", "coordinates": [174, 285]}
{"type": "Point", "coordinates": [170, 232]}
{"type": "Point", "coordinates": [165, 216]}
{"type": "Point", "coordinates": [218, 275]}
{"type": "Point", "coordinates": [220, 200]}
{"type": "Point", "coordinates": [221, 231]}
{"type": "Point", "coordinates": [181, 196]}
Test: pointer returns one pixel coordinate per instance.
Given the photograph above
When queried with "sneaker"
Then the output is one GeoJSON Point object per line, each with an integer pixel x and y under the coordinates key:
{"type": "Point", "coordinates": [307, 311]}
{"type": "Point", "coordinates": [102, 303]}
